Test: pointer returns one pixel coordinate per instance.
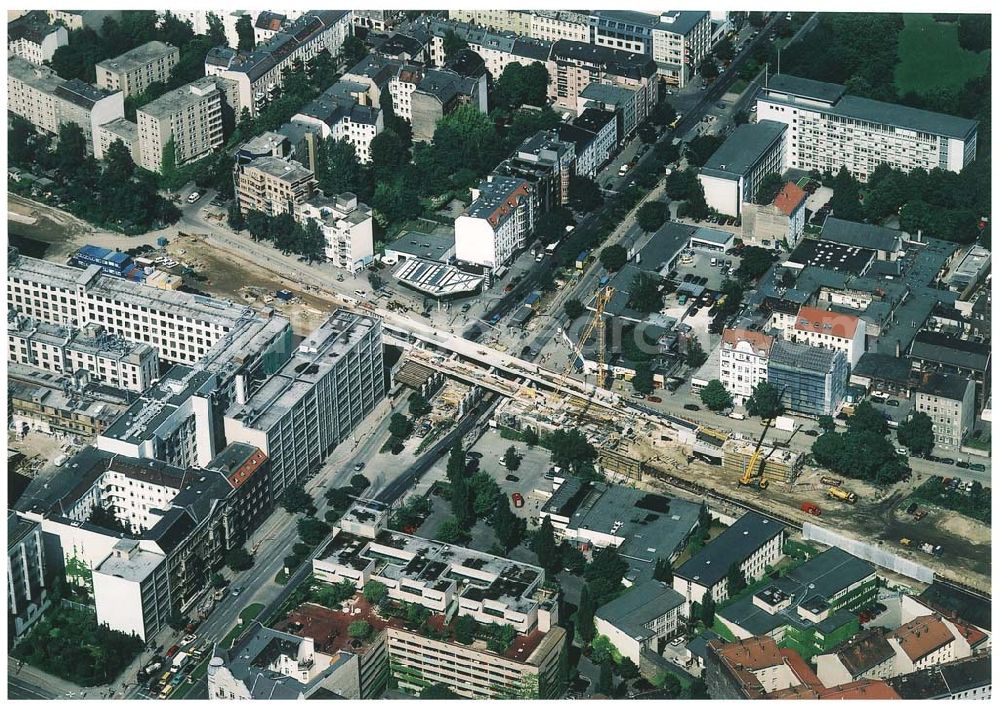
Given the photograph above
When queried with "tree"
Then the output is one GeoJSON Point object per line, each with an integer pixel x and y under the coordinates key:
{"type": "Point", "coordinates": [754, 262]}
{"type": "Point", "coordinates": [605, 679]}
{"type": "Point", "coordinates": [652, 215]}
{"type": "Point", "coordinates": [485, 493]}
{"type": "Point", "coordinates": [419, 406]}
{"type": "Point", "coordinates": [296, 500]}
{"type": "Point", "coordinates": [663, 572]}
{"type": "Point", "coordinates": [695, 207]}
{"type": "Point", "coordinates": [512, 459]}
{"type": "Point", "coordinates": [388, 150]}
{"type": "Point", "coordinates": [337, 167]}
{"type": "Point", "coordinates": [216, 30]}
{"type": "Point", "coordinates": [715, 396]}
{"type": "Point", "coordinates": [642, 381]}
{"type": "Point", "coordinates": [359, 629]}
{"type": "Point", "coordinates": [613, 257]}
{"type": "Point", "coordinates": [584, 194]}
{"type": "Point", "coordinates": [708, 611]}
{"type": "Point", "coordinates": [645, 295]}
{"type": "Point", "coordinates": [530, 437]}
{"type": "Point", "coordinates": [585, 616]}
{"type": "Point", "coordinates": [671, 686]}
{"type": "Point", "coordinates": [509, 528]}
{"type": "Point", "coordinates": [573, 308]}
{"type": "Point", "coordinates": [974, 32]}
{"type": "Point", "coordinates": [450, 531]}
{"type": "Point", "coordinates": [456, 461]}
{"type": "Point", "coordinates": [770, 185]}
{"type": "Point", "coordinates": [545, 547]}
{"type": "Point", "coordinates": [339, 498]}
{"type": "Point", "coordinates": [695, 355]}
{"type": "Point", "coordinates": [375, 592]}
{"type": "Point", "coordinates": [71, 148]}
{"type": "Point", "coordinates": [863, 451]}
{"type": "Point", "coordinates": [917, 434]}
{"type": "Point", "coordinates": [605, 573]}
{"type": "Point", "coordinates": [520, 84]}
{"type": "Point", "coordinates": [105, 517]}
{"type": "Point", "coordinates": [359, 482]}
{"type": "Point", "coordinates": [736, 582]}
{"type": "Point", "coordinates": [217, 581]}
{"type": "Point", "coordinates": [462, 503]}
{"type": "Point", "coordinates": [571, 450]}
{"type": "Point", "coordinates": [234, 216]}
{"type": "Point", "coordinates": [465, 628]}
{"type": "Point", "coordinates": [312, 531]}
{"type": "Point", "coordinates": [353, 50]}
{"type": "Point", "coordinates": [702, 148]}
{"type": "Point", "coordinates": [395, 200]}
{"type": "Point", "coordinates": [846, 200]}
{"type": "Point", "coordinates": [765, 401]}
{"type": "Point", "coordinates": [400, 425]}
{"type": "Point", "coordinates": [244, 30]}
{"type": "Point", "coordinates": [437, 691]}
{"type": "Point", "coordinates": [724, 50]}
{"type": "Point", "coordinates": [238, 559]}
{"type": "Point", "coordinates": [627, 670]}
{"type": "Point", "coordinates": [453, 44]}
{"type": "Point", "coordinates": [708, 68]}
{"type": "Point", "coordinates": [663, 114]}
{"type": "Point", "coordinates": [827, 423]}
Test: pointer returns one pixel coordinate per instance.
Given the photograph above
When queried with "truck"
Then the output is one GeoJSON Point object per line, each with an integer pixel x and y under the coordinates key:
{"type": "Point", "coordinates": [811, 508]}
{"type": "Point", "coordinates": [178, 662]}
{"type": "Point", "coordinates": [841, 494]}
{"type": "Point", "coordinates": [830, 481]}
{"type": "Point", "coordinates": [785, 423]}
{"type": "Point", "coordinates": [932, 549]}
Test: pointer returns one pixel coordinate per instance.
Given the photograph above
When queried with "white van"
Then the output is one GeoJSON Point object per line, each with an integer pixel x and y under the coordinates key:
{"type": "Point", "coordinates": [737, 416]}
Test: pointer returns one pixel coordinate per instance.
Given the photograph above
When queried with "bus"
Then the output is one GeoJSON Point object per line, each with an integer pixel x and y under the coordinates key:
{"type": "Point", "coordinates": [550, 249]}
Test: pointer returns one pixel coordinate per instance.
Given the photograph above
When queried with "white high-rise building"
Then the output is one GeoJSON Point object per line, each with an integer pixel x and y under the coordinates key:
{"type": "Point", "coordinates": [497, 223]}
{"type": "Point", "coordinates": [828, 130]}
{"type": "Point", "coordinates": [346, 225]}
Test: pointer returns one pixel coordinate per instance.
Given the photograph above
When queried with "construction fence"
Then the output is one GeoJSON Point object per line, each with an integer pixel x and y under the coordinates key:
{"type": "Point", "coordinates": [866, 551]}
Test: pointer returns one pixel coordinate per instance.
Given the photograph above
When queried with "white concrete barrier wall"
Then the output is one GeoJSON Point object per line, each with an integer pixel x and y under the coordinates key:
{"type": "Point", "coordinates": [872, 553]}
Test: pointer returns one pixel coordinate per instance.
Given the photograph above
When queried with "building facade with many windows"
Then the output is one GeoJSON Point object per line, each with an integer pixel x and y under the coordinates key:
{"type": "Point", "coordinates": [132, 72]}
{"type": "Point", "coordinates": [828, 129]}
{"type": "Point", "coordinates": [743, 357]}
{"type": "Point", "coordinates": [949, 399]}
{"type": "Point", "coordinates": [189, 118]}
{"type": "Point", "coordinates": [497, 223]}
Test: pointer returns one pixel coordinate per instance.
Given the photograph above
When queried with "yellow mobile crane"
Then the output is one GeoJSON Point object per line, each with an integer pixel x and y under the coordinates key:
{"type": "Point", "coordinates": [756, 462]}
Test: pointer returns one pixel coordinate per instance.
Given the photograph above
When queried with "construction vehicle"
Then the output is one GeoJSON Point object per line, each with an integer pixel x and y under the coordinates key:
{"type": "Point", "coordinates": [841, 494]}
{"type": "Point", "coordinates": [756, 462]}
{"type": "Point", "coordinates": [604, 296]}
{"type": "Point", "coordinates": [811, 508]}
{"type": "Point", "coordinates": [830, 481]}
{"type": "Point", "coordinates": [905, 542]}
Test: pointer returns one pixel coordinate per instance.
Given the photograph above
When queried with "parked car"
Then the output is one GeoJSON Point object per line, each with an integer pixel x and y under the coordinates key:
{"type": "Point", "coordinates": [654, 399]}
{"type": "Point", "coordinates": [193, 197]}
{"type": "Point", "coordinates": [474, 455]}
{"type": "Point", "coordinates": [977, 467]}
{"type": "Point", "coordinates": [518, 499]}
{"type": "Point", "coordinates": [692, 407]}
{"type": "Point", "coordinates": [811, 433]}
{"type": "Point", "coordinates": [512, 478]}
{"type": "Point", "coordinates": [188, 639]}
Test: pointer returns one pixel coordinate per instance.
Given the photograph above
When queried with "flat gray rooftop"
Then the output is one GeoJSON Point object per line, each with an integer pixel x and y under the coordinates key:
{"type": "Point", "coordinates": [139, 57]}
{"type": "Point", "coordinates": [742, 150]}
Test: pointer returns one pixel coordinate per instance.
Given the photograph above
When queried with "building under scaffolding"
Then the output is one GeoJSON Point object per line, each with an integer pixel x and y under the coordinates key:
{"type": "Point", "coordinates": [776, 464]}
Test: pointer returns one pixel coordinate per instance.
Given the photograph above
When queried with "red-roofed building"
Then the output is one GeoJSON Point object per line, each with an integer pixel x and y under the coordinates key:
{"type": "Point", "coordinates": [830, 330]}
{"type": "Point", "coordinates": [743, 361]}
{"type": "Point", "coordinates": [926, 641]}
{"type": "Point", "coordinates": [755, 668]}
{"type": "Point", "coordinates": [783, 220]}
{"type": "Point", "coordinates": [497, 223]}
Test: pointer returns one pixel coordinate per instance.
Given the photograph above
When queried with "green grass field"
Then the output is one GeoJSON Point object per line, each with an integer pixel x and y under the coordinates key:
{"type": "Point", "coordinates": [930, 57]}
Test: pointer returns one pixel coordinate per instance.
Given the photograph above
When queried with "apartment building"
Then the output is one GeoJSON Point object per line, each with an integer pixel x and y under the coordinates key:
{"type": "Point", "coordinates": [676, 40]}
{"type": "Point", "coordinates": [553, 25]}
{"type": "Point", "coordinates": [946, 353]}
{"type": "Point", "coordinates": [118, 130]}
{"type": "Point", "coordinates": [272, 185]}
{"type": "Point", "coordinates": [40, 96]}
{"type": "Point", "coordinates": [638, 619]}
{"type": "Point", "coordinates": [626, 104]}
{"type": "Point", "coordinates": [27, 583]}
{"type": "Point", "coordinates": [814, 378]}
{"type": "Point", "coordinates": [315, 400]}
{"type": "Point", "coordinates": [498, 49]}
{"type": "Point", "coordinates": [812, 609]}
{"type": "Point", "coordinates": [439, 93]}
{"type": "Point", "coordinates": [733, 174]}
{"type": "Point", "coordinates": [828, 329]}
{"type": "Point", "coordinates": [595, 134]}
{"type": "Point", "coordinates": [34, 38]}
{"type": "Point", "coordinates": [546, 163]}
{"type": "Point", "coordinates": [497, 223]}
{"type": "Point", "coordinates": [376, 20]}
{"type": "Point", "coordinates": [190, 117]}
{"type": "Point", "coordinates": [752, 543]}
{"type": "Point", "coordinates": [577, 65]}
{"type": "Point", "coordinates": [107, 358]}
{"type": "Point", "coordinates": [743, 357]}
{"type": "Point", "coordinates": [969, 679]}
{"type": "Point", "coordinates": [450, 581]}
{"type": "Point", "coordinates": [828, 130]}
{"type": "Point", "coordinates": [78, 19]}
{"type": "Point", "coordinates": [865, 655]}
{"type": "Point", "coordinates": [783, 221]}
{"type": "Point", "coordinates": [267, 25]}
{"type": "Point", "coordinates": [345, 111]}
{"type": "Point", "coordinates": [924, 642]}
{"type": "Point", "coordinates": [132, 72]}
{"type": "Point", "coordinates": [181, 523]}
{"type": "Point", "coordinates": [347, 228]}
{"type": "Point", "coordinates": [182, 327]}
{"type": "Point", "coordinates": [259, 72]}
{"type": "Point", "coordinates": [950, 401]}
{"type": "Point", "coordinates": [515, 21]}
{"type": "Point", "coordinates": [62, 405]}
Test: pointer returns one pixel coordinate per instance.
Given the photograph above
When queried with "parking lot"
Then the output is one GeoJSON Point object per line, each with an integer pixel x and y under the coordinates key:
{"type": "Point", "coordinates": [696, 268]}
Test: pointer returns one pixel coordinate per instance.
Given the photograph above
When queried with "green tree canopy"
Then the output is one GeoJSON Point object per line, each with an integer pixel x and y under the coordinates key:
{"type": "Point", "coordinates": [917, 434]}
{"type": "Point", "coordinates": [512, 459]}
{"type": "Point", "coordinates": [238, 559]}
{"type": "Point", "coordinates": [770, 185]}
{"type": "Point", "coordinates": [244, 30]}
{"type": "Point", "coordinates": [521, 84]}
{"type": "Point", "coordinates": [765, 401]}
{"type": "Point", "coordinates": [585, 616]}
{"type": "Point", "coordinates": [652, 215]}
{"type": "Point", "coordinates": [545, 547]}
{"type": "Point", "coordinates": [613, 257]}
{"type": "Point", "coordinates": [573, 308]}
{"type": "Point", "coordinates": [312, 530]}
{"type": "Point", "coordinates": [642, 381]}
{"type": "Point", "coordinates": [645, 295]}
{"type": "Point", "coordinates": [715, 396]}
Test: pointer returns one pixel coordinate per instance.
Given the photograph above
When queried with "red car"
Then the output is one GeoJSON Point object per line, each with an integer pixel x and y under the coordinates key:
{"type": "Point", "coordinates": [518, 499]}
{"type": "Point", "coordinates": [654, 399]}
{"type": "Point", "coordinates": [173, 651]}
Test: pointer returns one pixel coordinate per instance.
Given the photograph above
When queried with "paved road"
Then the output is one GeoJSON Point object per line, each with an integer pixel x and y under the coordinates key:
{"type": "Point", "coordinates": [20, 689]}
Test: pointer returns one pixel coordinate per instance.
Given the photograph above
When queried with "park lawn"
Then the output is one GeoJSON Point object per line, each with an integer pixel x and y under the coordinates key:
{"type": "Point", "coordinates": [930, 57]}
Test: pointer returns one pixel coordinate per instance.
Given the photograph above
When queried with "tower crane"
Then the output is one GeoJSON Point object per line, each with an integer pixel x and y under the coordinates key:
{"type": "Point", "coordinates": [753, 466]}
{"type": "Point", "coordinates": [596, 324]}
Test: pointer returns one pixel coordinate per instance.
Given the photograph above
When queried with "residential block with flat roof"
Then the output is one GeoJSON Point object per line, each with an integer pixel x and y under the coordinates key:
{"type": "Point", "coordinates": [497, 223]}
{"type": "Point", "coordinates": [949, 399]}
{"type": "Point", "coordinates": [813, 378]}
{"type": "Point", "coordinates": [829, 129]}
{"type": "Point", "coordinates": [189, 118]}
{"type": "Point", "coordinates": [734, 172]}
{"type": "Point", "coordinates": [132, 72]}
{"type": "Point", "coordinates": [272, 185]}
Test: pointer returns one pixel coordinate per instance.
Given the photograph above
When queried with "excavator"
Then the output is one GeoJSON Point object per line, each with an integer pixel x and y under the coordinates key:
{"type": "Point", "coordinates": [754, 466]}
